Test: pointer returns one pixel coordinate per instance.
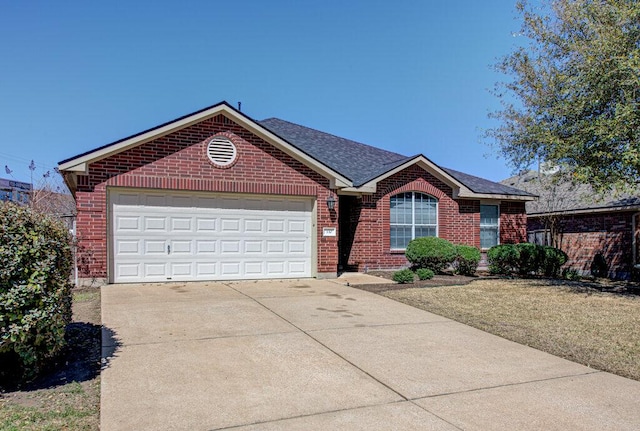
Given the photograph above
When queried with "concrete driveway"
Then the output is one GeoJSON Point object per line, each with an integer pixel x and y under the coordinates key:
{"type": "Point", "coordinates": [317, 355]}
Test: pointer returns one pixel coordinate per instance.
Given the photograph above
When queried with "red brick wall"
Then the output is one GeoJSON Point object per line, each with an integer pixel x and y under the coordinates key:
{"type": "Point", "coordinates": [584, 236]}
{"type": "Point", "coordinates": [513, 222]}
{"type": "Point", "coordinates": [458, 220]}
{"type": "Point", "coordinates": [178, 161]}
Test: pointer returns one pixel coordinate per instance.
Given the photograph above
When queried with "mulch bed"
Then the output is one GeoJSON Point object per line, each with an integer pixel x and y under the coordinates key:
{"type": "Point", "coordinates": [437, 280]}
{"type": "Point", "coordinates": [449, 279]}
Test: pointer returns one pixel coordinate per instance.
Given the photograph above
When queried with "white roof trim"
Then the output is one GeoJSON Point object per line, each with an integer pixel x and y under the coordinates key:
{"type": "Point", "coordinates": [80, 163]}
{"type": "Point", "coordinates": [460, 191]}
{"type": "Point", "coordinates": [426, 164]}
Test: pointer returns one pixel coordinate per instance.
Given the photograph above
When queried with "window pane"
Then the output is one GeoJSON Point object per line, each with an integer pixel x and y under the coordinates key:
{"type": "Point", "coordinates": [425, 231]}
{"type": "Point", "coordinates": [400, 236]}
{"type": "Point", "coordinates": [488, 237]}
{"type": "Point", "coordinates": [489, 215]}
{"type": "Point", "coordinates": [400, 206]}
{"type": "Point", "coordinates": [408, 210]}
{"type": "Point", "coordinates": [426, 212]}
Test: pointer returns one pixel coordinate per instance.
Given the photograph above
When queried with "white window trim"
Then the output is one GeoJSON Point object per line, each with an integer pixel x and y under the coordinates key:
{"type": "Point", "coordinates": [495, 204]}
{"type": "Point", "coordinates": [413, 217]}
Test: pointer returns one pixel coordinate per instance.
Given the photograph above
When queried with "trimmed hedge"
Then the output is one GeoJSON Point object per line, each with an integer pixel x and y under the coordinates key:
{"type": "Point", "coordinates": [35, 289]}
{"type": "Point", "coordinates": [525, 259]}
{"type": "Point", "coordinates": [503, 259]}
{"type": "Point", "coordinates": [403, 276]}
{"type": "Point", "coordinates": [430, 252]}
{"type": "Point", "coordinates": [467, 260]}
{"type": "Point", "coordinates": [425, 274]}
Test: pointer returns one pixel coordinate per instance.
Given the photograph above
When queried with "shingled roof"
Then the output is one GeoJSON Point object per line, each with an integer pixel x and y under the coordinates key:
{"type": "Point", "coordinates": [362, 163]}
{"type": "Point", "coordinates": [558, 195]}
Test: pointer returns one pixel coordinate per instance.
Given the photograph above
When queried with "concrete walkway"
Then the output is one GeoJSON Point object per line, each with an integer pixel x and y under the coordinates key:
{"type": "Point", "coordinates": [318, 355]}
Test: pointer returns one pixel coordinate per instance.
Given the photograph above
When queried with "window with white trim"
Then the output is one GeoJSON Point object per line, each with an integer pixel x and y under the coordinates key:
{"type": "Point", "coordinates": [489, 226]}
{"type": "Point", "coordinates": [412, 215]}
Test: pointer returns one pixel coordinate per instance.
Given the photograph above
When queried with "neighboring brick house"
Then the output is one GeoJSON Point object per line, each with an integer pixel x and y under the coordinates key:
{"type": "Point", "coordinates": [217, 195]}
{"type": "Point", "coordinates": [600, 234]}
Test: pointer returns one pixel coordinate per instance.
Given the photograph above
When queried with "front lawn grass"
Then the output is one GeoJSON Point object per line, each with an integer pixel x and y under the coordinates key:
{"type": "Point", "coordinates": [566, 319]}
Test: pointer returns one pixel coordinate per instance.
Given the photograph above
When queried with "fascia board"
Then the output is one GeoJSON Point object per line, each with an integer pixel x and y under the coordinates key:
{"type": "Point", "coordinates": [136, 140]}
{"type": "Point", "coordinates": [80, 164]}
{"type": "Point", "coordinates": [497, 197]}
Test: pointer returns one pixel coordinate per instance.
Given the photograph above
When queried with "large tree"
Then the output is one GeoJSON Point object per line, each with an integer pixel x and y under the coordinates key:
{"type": "Point", "coordinates": [573, 94]}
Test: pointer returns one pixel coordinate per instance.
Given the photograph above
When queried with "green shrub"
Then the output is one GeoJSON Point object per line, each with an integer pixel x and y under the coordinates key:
{"type": "Point", "coordinates": [467, 260]}
{"type": "Point", "coordinates": [403, 276]}
{"type": "Point", "coordinates": [430, 252]}
{"type": "Point", "coordinates": [531, 258]}
{"type": "Point", "coordinates": [503, 259]}
{"type": "Point", "coordinates": [599, 266]}
{"type": "Point", "coordinates": [571, 274]}
{"type": "Point", "coordinates": [553, 260]}
{"type": "Point", "coordinates": [35, 288]}
{"type": "Point", "coordinates": [425, 274]}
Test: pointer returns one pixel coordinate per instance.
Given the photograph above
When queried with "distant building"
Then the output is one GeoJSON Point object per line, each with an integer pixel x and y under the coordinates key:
{"type": "Point", "coordinates": [14, 191]}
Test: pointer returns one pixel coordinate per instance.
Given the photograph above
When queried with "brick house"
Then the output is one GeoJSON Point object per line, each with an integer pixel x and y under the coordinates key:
{"type": "Point", "coordinates": [600, 234]}
{"type": "Point", "coordinates": [217, 195]}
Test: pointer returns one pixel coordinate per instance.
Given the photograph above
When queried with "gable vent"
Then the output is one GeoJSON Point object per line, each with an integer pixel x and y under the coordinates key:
{"type": "Point", "coordinates": [221, 151]}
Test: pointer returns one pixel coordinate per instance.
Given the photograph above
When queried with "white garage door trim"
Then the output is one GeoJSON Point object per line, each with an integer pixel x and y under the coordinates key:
{"type": "Point", "coordinates": [159, 236]}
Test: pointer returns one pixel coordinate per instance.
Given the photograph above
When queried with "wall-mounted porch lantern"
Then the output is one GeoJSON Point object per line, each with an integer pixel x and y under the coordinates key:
{"type": "Point", "coordinates": [331, 202]}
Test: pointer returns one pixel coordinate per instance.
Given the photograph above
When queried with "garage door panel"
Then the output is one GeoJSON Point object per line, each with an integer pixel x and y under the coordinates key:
{"type": "Point", "coordinates": [205, 247]}
{"type": "Point", "coordinates": [181, 247]}
{"type": "Point", "coordinates": [297, 226]}
{"type": "Point", "coordinates": [128, 224]}
{"type": "Point", "coordinates": [230, 269]}
{"type": "Point", "coordinates": [180, 269]}
{"type": "Point", "coordinates": [297, 267]}
{"type": "Point", "coordinates": [275, 246]}
{"type": "Point", "coordinates": [275, 226]}
{"type": "Point", "coordinates": [208, 237]}
{"type": "Point", "coordinates": [228, 247]}
{"type": "Point", "coordinates": [128, 270]}
{"type": "Point", "coordinates": [205, 225]}
{"type": "Point", "coordinates": [253, 268]}
{"type": "Point", "coordinates": [296, 247]}
{"type": "Point", "coordinates": [155, 224]}
{"type": "Point", "coordinates": [125, 246]}
{"type": "Point", "coordinates": [253, 226]}
{"type": "Point", "coordinates": [181, 224]}
{"type": "Point", "coordinates": [230, 225]}
{"type": "Point", "coordinates": [152, 269]}
{"type": "Point", "coordinates": [253, 247]}
{"type": "Point", "coordinates": [206, 270]}
{"type": "Point", "coordinates": [155, 247]}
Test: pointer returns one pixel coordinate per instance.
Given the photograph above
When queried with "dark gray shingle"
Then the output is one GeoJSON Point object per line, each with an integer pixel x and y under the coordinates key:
{"type": "Point", "coordinates": [558, 194]}
{"type": "Point", "coordinates": [360, 162]}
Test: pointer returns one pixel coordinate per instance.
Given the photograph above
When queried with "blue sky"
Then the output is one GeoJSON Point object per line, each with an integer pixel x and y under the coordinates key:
{"type": "Point", "coordinates": [408, 76]}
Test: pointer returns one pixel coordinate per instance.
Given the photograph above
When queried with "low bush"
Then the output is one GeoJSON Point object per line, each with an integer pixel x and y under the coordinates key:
{"type": "Point", "coordinates": [526, 259]}
{"type": "Point", "coordinates": [530, 258]}
{"type": "Point", "coordinates": [553, 260]}
{"type": "Point", "coordinates": [503, 259]}
{"type": "Point", "coordinates": [425, 274]}
{"type": "Point", "coordinates": [403, 276]}
{"type": "Point", "coordinates": [430, 252]}
{"type": "Point", "coordinates": [571, 274]}
{"type": "Point", "coordinates": [35, 289]}
{"type": "Point", "coordinates": [467, 260]}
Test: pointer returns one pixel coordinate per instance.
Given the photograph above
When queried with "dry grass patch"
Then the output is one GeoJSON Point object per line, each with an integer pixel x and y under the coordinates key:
{"type": "Point", "coordinates": [569, 320]}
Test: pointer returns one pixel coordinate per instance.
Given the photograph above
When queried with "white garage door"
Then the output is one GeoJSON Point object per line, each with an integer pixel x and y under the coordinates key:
{"type": "Point", "coordinates": [177, 237]}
